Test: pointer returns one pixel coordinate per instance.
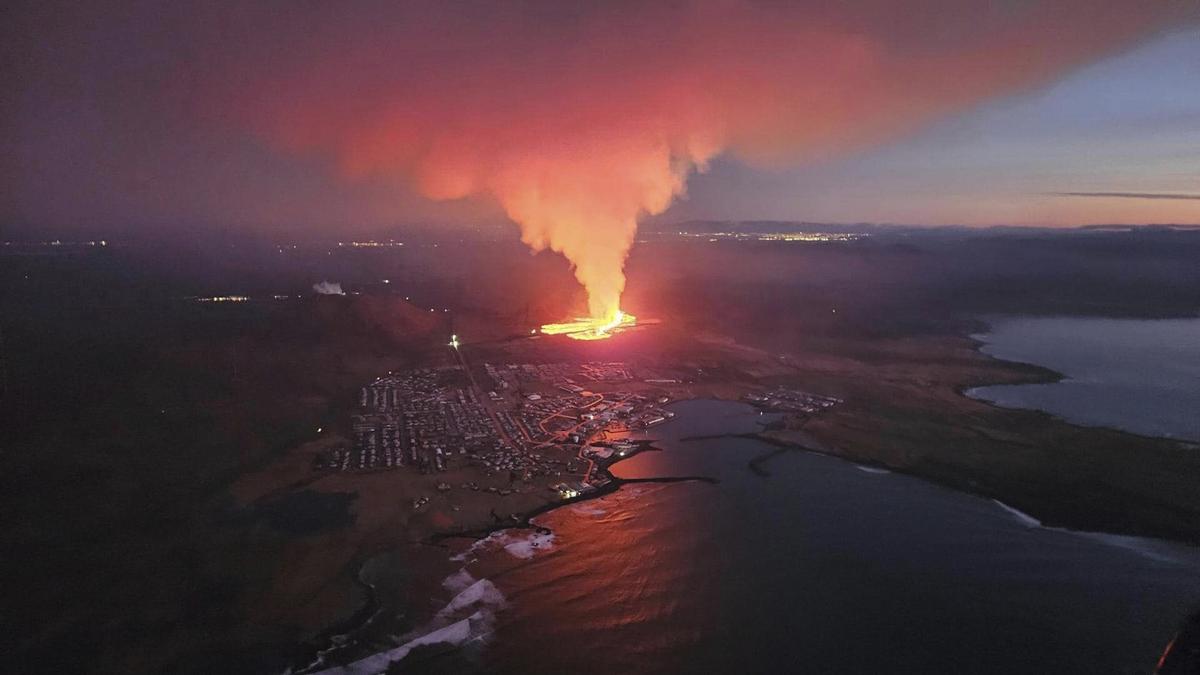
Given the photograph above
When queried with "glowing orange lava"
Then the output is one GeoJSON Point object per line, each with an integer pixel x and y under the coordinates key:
{"type": "Point", "coordinates": [586, 328]}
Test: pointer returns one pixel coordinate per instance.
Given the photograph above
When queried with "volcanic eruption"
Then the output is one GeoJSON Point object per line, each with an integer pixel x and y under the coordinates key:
{"type": "Point", "coordinates": [589, 328]}
{"type": "Point", "coordinates": [578, 120]}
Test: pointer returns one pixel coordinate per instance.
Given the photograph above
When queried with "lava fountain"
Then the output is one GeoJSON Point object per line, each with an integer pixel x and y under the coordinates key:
{"type": "Point", "coordinates": [587, 328]}
{"type": "Point", "coordinates": [579, 123]}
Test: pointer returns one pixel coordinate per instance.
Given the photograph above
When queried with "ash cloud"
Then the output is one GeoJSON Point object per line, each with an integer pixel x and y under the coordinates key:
{"type": "Point", "coordinates": [579, 122]}
{"type": "Point", "coordinates": [577, 119]}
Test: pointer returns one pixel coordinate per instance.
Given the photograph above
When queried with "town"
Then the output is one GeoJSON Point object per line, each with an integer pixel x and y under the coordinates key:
{"type": "Point", "coordinates": [782, 399]}
{"type": "Point", "coordinates": [526, 420]}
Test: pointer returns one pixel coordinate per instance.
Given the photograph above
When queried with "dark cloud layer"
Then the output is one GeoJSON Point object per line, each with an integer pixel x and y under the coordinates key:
{"type": "Point", "coordinates": [1128, 195]}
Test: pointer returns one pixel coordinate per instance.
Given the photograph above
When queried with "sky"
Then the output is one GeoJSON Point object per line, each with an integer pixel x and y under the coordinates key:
{"type": "Point", "coordinates": [1128, 124]}
{"type": "Point", "coordinates": [348, 117]}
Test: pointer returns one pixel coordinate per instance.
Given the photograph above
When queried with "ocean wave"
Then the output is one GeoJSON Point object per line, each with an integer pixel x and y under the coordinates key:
{"type": "Point", "coordinates": [457, 633]}
{"type": "Point", "coordinates": [455, 583]}
{"type": "Point", "coordinates": [586, 509]}
{"type": "Point", "coordinates": [871, 469]}
{"type": "Point", "coordinates": [523, 546]}
{"type": "Point", "coordinates": [477, 546]}
{"type": "Point", "coordinates": [469, 615]}
{"type": "Point", "coordinates": [469, 551]}
{"type": "Point", "coordinates": [1022, 517]}
{"type": "Point", "coordinates": [528, 546]}
{"type": "Point", "coordinates": [1144, 546]}
{"type": "Point", "coordinates": [478, 600]}
{"type": "Point", "coordinates": [481, 593]}
{"type": "Point", "coordinates": [1150, 548]}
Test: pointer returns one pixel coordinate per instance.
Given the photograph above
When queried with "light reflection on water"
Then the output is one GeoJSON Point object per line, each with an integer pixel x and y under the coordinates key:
{"type": "Point", "coordinates": [820, 568]}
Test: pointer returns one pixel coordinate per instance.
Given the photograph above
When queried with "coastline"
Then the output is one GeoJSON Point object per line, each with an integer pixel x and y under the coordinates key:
{"type": "Point", "coordinates": [1050, 511]}
{"type": "Point", "coordinates": [1006, 490]}
{"type": "Point", "coordinates": [1047, 376]}
{"type": "Point", "coordinates": [362, 618]}
{"type": "Point", "coordinates": [611, 485]}
{"type": "Point", "coordinates": [1155, 549]}
{"type": "Point", "coordinates": [1056, 520]}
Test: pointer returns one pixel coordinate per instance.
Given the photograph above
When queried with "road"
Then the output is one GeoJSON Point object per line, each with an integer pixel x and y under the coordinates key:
{"type": "Point", "coordinates": [482, 397]}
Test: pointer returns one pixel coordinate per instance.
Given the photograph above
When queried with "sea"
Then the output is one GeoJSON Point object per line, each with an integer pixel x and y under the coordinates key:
{"type": "Point", "coordinates": [813, 565]}
{"type": "Point", "coordinates": [1136, 375]}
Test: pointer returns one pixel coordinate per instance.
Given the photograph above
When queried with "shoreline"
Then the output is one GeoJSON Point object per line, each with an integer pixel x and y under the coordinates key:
{"type": "Point", "coordinates": [1144, 549]}
{"type": "Point", "coordinates": [313, 651]}
{"type": "Point", "coordinates": [613, 483]}
{"type": "Point", "coordinates": [1050, 521]}
{"type": "Point", "coordinates": [1033, 517]}
{"type": "Point", "coordinates": [1048, 515]}
{"type": "Point", "coordinates": [1051, 377]}
{"type": "Point", "coordinates": [362, 618]}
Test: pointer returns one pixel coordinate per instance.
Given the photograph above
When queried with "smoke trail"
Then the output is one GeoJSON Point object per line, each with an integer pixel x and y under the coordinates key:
{"type": "Point", "coordinates": [579, 121]}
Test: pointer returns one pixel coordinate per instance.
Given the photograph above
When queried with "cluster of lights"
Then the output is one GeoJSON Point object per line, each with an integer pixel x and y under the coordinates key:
{"type": "Point", "coordinates": [810, 236]}
{"type": "Point", "coordinates": [774, 236]}
{"type": "Point", "coordinates": [57, 242]}
{"type": "Point", "coordinates": [224, 298]}
{"type": "Point", "coordinates": [370, 243]}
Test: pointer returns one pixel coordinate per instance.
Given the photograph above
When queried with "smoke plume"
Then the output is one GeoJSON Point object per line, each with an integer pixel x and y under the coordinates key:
{"type": "Point", "coordinates": [580, 120]}
{"type": "Point", "coordinates": [328, 288]}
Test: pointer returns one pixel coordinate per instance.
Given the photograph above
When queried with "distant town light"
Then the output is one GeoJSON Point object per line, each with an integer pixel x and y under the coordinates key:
{"type": "Point", "coordinates": [224, 298]}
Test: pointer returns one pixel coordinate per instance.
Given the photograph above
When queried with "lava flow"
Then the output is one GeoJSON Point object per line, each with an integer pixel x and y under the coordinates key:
{"type": "Point", "coordinates": [586, 328]}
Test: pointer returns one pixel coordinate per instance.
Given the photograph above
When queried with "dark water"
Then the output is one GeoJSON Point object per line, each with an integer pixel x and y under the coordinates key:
{"type": "Point", "coordinates": [1138, 375]}
{"type": "Point", "coordinates": [821, 567]}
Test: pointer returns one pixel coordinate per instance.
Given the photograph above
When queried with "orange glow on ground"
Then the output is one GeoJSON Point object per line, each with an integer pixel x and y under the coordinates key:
{"type": "Point", "coordinates": [585, 328]}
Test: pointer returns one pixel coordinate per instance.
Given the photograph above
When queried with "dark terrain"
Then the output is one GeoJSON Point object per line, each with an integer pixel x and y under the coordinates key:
{"type": "Point", "coordinates": [129, 409]}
